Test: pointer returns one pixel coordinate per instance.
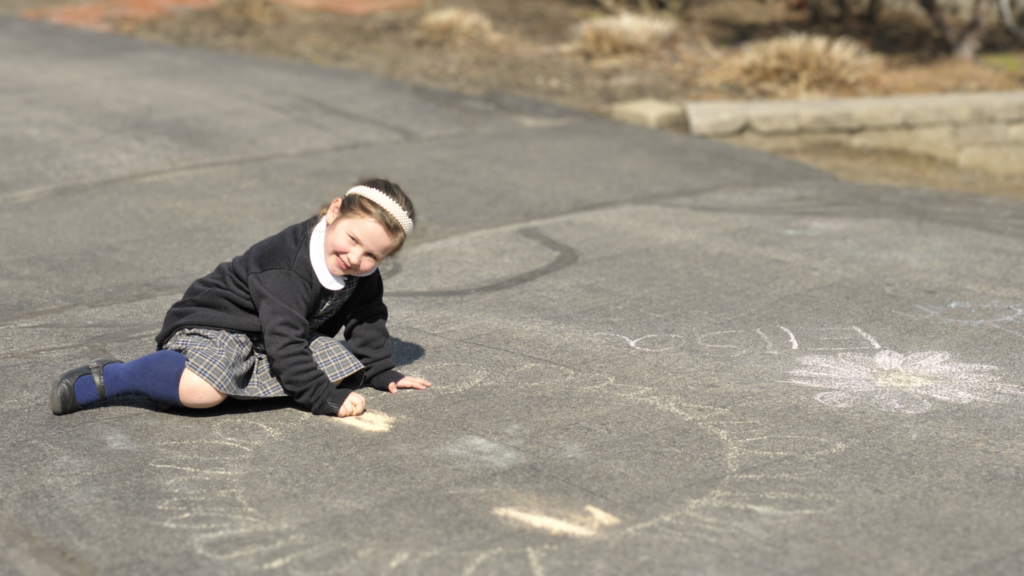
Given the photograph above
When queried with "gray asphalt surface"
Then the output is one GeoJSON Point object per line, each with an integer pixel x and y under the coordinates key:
{"type": "Point", "coordinates": [651, 354]}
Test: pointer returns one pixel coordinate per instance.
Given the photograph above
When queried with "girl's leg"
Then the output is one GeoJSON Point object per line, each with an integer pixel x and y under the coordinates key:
{"type": "Point", "coordinates": [194, 392]}
{"type": "Point", "coordinates": [161, 376]}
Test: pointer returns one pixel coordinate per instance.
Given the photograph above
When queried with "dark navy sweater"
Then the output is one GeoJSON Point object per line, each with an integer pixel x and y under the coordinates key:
{"type": "Point", "coordinates": [273, 291]}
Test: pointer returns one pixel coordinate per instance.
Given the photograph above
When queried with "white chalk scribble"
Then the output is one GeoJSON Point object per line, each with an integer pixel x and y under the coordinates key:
{"type": "Point", "coordinates": [899, 383]}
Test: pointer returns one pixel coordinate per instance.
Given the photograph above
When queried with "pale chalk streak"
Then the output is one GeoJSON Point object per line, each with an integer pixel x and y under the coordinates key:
{"type": "Point", "coordinates": [997, 327]}
{"type": "Point", "coordinates": [700, 340]}
{"type": "Point", "coordinates": [285, 560]}
{"type": "Point", "coordinates": [547, 523]}
{"type": "Point", "coordinates": [534, 558]}
{"type": "Point", "coordinates": [194, 470]}
{"type": "Point", "coordinates": [480, 559]}
{"type": "Point", "coordinates": [792, 338]}
{"type": "Point", "coordinates": [560, 527]}
{"type": "Point", "coordinates": [206, 443]}
{"type": "Point", "coordinates": [601, 517]}
{"type": "Point", "coordinates": [768, 342]}
{"type": "Point", "coordinates": [868, 338]}
{"type": "Point", "coordinates": [369, 421]}
{"type": "Point", "coordinates": [634, 344]}
{"type": "Point", "coordinates": [398, 560]}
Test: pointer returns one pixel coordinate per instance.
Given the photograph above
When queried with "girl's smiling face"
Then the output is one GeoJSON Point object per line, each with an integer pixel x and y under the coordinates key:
{"type": "Point", "coordinates": [354, 246]}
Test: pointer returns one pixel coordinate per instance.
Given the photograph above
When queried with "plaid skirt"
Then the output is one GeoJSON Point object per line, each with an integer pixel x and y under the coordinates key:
{"type": "Point", "coordinates": [237, 365]}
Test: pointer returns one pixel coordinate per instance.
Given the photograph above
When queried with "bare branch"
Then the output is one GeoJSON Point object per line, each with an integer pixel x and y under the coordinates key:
{"type": "Point", "coordinates": [970, 42]}
{"type": "Point", "coordinates": [610, 5]}
{"type": "Point", "coordinates": [932, 8]}
{"type": "Point", "coordinates": [873, 11]}
{"type": "Point", "coordinates": [1009, 20]}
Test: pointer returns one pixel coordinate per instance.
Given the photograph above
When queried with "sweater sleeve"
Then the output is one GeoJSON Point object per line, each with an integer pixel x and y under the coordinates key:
{"type": "Point", "coordinates": [367, 335]}
{"type": "Point", "coordinates": [281, 298]}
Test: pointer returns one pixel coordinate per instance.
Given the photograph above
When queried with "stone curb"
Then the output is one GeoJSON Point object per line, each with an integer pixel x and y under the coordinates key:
{"type": "Point", "coordinates": [982, 130]}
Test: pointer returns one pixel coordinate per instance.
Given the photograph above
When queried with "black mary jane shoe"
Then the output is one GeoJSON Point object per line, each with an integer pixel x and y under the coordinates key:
{"type": "Point", "coordinates": [62, 395]}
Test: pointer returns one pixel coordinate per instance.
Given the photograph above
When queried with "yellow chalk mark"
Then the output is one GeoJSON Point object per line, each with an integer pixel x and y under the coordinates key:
{"type": "Point", "coordinates": [370, 421]}
{"type": "Point", "coordinates": [195, 470]}
{"type": "Point", "coordinates": [558, 527]}
{"type": "Point", "coordinates": [900, 379]}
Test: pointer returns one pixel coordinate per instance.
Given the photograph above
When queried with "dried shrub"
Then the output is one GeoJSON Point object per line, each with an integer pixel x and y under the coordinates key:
{"type": "Point", "coordinates": [625, 33]}
{"type": "Point", "coordinates": [458, 26]}
{"type": "Point", "coordinates": [645, 5]}
{"type": "Point", "coordinates": [798, 64]}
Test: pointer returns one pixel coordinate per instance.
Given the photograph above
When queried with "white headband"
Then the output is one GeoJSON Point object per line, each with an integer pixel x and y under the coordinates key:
{"type": "Point", "coordinates": [385, 202]}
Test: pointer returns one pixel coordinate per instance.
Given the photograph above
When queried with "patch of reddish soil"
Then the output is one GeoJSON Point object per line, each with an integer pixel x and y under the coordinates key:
{"type": "Point", "coordinates": [355, 7]}
{"type": "Point", "coordinates": [102, 15]}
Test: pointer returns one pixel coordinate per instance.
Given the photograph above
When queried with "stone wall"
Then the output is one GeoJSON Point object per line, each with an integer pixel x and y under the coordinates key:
{"type": "Point", "coordinates": [972, 130]}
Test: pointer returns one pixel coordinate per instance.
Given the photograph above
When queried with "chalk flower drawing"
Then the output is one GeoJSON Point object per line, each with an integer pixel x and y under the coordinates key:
{"type": "Point", "coordinates": [897, 383]}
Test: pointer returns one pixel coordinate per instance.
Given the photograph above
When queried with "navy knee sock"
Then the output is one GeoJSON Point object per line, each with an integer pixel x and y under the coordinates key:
{"type": "Point", "coordinates": [155, 376]}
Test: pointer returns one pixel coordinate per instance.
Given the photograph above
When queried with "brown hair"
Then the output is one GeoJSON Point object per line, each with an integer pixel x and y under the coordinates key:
{"type": "Point", "coordinates": [355, 206]}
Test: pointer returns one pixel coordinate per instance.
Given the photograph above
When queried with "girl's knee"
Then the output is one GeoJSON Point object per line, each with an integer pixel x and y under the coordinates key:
{"type": "Point", "coordinates": [194, 392]}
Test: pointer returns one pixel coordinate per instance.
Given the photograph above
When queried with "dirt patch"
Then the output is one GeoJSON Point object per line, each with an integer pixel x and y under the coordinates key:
{"type": "Point", "coordinates": [531, 55]}
{"type": "Point", "coordinates": [901, 169]}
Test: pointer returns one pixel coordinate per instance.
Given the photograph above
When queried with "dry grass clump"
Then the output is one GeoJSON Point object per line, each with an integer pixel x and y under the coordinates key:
{"type": "Point", "coordinates": [625, 33]}
{"type": "Point", "coordinates": [799, 64]}
{"type": "Point", "coordinates": [458, 26]}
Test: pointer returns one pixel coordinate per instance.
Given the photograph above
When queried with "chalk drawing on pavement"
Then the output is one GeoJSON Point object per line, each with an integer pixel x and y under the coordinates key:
{"type": "Point", "coordinates": [771, 479]}
{"type": "Point", "coordinates": [219, 521]}
{"type": "Point", "coordinates": [894, 382]}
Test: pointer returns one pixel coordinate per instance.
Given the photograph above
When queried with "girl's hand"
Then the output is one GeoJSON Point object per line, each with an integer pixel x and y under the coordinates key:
{"type": "Point", "coordinates": [408, 382]}
{"type": "Point", "coordinates": [354, 405]}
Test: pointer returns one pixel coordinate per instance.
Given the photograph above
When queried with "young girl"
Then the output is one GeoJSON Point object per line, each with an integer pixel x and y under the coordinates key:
{"type": "Point", "coordinates": [262, 325]}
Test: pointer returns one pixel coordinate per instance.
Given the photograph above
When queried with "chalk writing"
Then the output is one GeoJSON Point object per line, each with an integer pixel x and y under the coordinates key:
{"type": "Point", "coordinates": [635, 343]}
{"type": "Point", "coordinates": [758, 340]}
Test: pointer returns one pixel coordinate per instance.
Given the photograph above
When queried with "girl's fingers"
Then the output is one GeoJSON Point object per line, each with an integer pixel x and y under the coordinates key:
{"type": "Point", "coordinates": [409, 382]}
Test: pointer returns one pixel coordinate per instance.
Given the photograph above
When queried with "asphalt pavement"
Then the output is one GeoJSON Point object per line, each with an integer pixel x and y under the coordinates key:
{"type": "Point", "coordinates": [652, 354]}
